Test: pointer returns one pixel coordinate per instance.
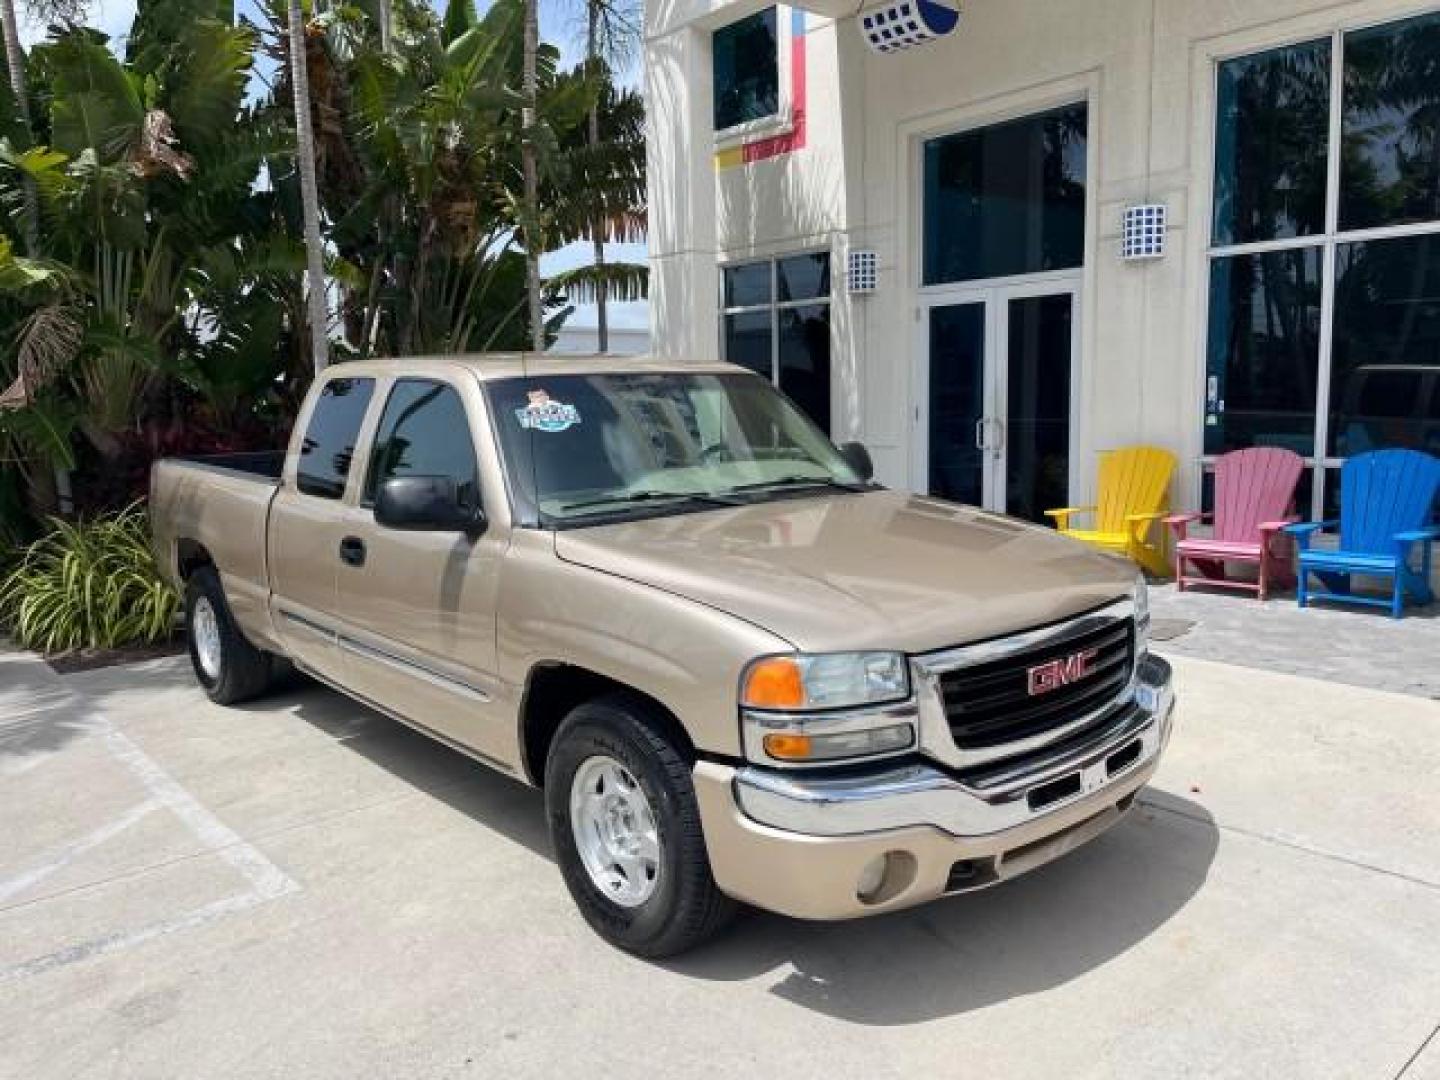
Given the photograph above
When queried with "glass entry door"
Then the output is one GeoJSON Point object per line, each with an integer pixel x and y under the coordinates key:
{"type": "Point", "coordinates": [993, 411]}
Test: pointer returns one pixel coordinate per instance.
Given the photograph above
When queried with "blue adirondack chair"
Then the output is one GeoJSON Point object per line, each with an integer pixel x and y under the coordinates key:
{"type": "Point", "coordinates": [1386, 501]}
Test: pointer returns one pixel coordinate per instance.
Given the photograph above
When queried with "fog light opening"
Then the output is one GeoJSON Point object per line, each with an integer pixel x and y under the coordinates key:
{"type": "Point", "coordinates": [885, 877]}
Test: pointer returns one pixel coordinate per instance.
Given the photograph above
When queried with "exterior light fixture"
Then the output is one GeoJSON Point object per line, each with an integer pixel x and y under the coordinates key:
{"type": "Point", "coordinates": [1143, 232]}
{"type": "Point", "coordinates": [862, 272]}
{"type": "Point", "coordinates": [904, 24]}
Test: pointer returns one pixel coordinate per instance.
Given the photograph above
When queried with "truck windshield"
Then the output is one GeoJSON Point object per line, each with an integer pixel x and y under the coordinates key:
{"type": "Point", "coordinates": [581, 449]}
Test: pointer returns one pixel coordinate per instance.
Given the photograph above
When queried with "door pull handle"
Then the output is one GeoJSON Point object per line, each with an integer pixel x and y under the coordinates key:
{"type": "Point", "coordinates": [352, 551]}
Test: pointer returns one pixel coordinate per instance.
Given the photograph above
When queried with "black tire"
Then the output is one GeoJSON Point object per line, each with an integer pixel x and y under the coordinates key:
{"type": "Point", "coordinates": [245, 671]}
{"type": "Point", "coordinates": [686, 908]}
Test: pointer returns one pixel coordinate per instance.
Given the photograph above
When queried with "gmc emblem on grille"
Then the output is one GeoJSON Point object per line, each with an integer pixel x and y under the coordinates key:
{"type": "Point", "coordinates": [1053, 674]}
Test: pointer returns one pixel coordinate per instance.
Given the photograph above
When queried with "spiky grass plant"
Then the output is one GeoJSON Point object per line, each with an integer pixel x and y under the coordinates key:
{"type": "Point", "coordinates": [89, 584]}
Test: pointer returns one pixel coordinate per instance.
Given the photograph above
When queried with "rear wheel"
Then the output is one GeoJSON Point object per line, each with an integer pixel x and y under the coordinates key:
{"type": "Point", "coordinates": [626, 831]}
{"type": "Point", "coordinates": [229, 668]}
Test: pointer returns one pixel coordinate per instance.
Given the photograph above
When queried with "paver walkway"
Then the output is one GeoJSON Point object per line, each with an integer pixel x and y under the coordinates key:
{"type": "Point", "coordinates": [1349, 645]}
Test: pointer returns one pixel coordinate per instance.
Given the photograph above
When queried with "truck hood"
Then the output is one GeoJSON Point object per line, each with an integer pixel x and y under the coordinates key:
{"type": "Point", "coordinates": [880, 570]}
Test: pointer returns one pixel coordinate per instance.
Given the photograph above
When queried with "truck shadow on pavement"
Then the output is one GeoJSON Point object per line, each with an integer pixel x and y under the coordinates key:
{"type": "Point", "coordinates": [947, 958]}
{"type": "Point", "coordinates": [967, 952]}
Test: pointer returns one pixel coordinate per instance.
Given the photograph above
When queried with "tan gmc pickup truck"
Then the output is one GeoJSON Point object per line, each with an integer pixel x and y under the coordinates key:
{"type": "Point", "coordinates": [740, 670]}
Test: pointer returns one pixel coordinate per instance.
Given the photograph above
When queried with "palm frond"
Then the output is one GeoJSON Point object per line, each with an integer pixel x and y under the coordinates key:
{"type": "Point", "coordinates": [623, 282]}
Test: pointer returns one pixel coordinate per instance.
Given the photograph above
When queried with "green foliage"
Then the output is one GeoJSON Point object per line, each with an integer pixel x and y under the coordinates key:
{"type": "Point", "coordinates": [90, 584]}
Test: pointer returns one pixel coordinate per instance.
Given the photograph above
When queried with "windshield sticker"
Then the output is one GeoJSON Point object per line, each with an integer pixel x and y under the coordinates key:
{"type": "Point", "coordinates": [543, 414]}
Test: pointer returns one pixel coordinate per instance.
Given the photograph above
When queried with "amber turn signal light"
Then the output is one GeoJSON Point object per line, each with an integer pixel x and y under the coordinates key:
{"type": "Point", "coordinates": [776, 683]}
{"type": "Point", "coordinates": [788, 747]}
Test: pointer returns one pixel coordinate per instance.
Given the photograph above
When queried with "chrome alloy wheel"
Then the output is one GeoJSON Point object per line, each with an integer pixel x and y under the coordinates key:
{"type": "Point", "coordinates": [205, 632]}
{"type": "Point", "coordinates": [615, 832]}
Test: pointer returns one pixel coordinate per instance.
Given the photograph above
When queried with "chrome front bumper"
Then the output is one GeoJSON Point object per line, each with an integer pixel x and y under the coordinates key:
{"type": "Point", "coordinates": [993, 798]}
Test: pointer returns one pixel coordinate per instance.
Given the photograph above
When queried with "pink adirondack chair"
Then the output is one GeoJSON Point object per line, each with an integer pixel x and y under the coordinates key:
{"type": "Point", "coordinates": [1254, 501]}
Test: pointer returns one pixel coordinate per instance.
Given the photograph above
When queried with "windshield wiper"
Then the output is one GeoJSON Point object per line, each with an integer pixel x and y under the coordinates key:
{"type": "Point", "coordinates": [800, 481]}
{"type": "Point", "coordinates": [630, 497]}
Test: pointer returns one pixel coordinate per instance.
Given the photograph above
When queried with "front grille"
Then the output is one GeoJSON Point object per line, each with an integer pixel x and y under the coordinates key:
{"type": "Point", "coordinates": [990, 704]}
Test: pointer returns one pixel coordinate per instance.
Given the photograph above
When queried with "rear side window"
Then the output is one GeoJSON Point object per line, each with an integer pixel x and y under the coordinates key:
{"type": "Point", "coordinates": [329, 444]}
{"type": "Point", "coordinates": [424, 432]}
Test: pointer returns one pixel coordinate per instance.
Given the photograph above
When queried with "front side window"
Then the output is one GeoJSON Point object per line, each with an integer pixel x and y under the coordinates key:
{"type": "Point", "coordinates": [328, 448]}
{"type": "Point", "coordinates": [777, 323]}
{"type": "Point", "coordinates": [585, 449]}
{"type": "Point", "coordinates": [1293, 209]}
{"type": "Point", "coordinates": [1006, 199]}
{"type": "Point", "coordinates": [424, 432]}
{"type": "Point", "coordinates": [746, 58]}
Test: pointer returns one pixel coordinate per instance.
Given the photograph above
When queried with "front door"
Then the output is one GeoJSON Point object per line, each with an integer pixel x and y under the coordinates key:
{"type": "Point", "coordinates": [993, 412]}
{"type": "Point", "coordinates": [417, 609]}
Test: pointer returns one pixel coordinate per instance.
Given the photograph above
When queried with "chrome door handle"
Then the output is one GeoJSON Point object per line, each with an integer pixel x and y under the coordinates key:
{"type": "Point", "coordinates": [980, 433]}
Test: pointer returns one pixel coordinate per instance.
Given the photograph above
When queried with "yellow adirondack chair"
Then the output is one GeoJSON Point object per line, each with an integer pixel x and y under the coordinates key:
{"type": "Point", "coordinates": [1134, 486]}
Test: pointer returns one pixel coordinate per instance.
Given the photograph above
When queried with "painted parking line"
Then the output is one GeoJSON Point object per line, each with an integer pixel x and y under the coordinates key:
{"type": "Point", "coordinates": [59, 858]}
{"type": "Point", "coordinates": [266, 881]}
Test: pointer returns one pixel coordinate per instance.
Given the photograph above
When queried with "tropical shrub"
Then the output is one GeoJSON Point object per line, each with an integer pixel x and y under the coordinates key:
{"type": "Point", "coordinates": [89, 584]}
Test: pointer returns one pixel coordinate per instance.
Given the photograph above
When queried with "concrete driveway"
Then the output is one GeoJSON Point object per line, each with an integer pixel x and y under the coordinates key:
{"type": "Point", "coordinates": [302, 888]}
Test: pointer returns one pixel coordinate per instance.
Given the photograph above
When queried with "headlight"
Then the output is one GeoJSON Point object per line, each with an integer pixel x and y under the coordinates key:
{"type": "Point", "coordinates": [825, 681]}
{"type": "Point", "coordinates": [817, 709]}
{"type": "Point", "coordinates": [1142, 616]}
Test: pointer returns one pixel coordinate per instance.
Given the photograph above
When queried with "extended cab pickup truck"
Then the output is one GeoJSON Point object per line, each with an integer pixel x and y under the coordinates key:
{"type": "Point", "coordinates": [741, 671]}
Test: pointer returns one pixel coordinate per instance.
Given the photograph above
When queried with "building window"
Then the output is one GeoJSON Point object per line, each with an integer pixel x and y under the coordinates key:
{"type": "Point", "coordinates": [1007, 199]}
{"type": "Point", "coordinates": [747, 70]}
{"type": "Point", "coordinates": [776, 322]}
{"type": "Point", "coordinates": [1324, 331]}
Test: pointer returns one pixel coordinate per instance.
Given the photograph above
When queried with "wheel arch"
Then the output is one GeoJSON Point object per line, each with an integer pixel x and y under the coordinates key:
{"type": "Point", "coordinates": [553, 688]}
{"type": "Point", "coordinates": [190, 555]}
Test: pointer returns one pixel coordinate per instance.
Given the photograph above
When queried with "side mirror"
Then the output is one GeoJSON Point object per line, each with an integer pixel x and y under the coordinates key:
{"type": "Point", "coordinates": [859, 459]}
{"type": "Point", "coordinates": [425, 504]}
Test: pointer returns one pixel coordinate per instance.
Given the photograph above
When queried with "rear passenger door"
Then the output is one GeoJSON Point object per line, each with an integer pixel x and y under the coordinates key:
{"type": "Point", "coordinates": [417, 611]}
{"type": "Point", "coordinates": [306, 522]}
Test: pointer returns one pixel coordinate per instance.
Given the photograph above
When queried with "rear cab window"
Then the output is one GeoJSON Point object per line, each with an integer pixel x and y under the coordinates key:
{"type": "Point", "coordinates": [328, 448]}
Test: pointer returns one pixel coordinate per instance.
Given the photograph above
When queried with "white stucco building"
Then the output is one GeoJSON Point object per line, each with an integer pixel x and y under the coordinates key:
{"type": "Point", "coordinates": [1294, 146]}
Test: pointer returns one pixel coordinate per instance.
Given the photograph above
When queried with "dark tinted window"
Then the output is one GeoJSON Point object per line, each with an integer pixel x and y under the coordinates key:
{"type": "Point", "coordinates": [1391, 167]}
{"type": "Point", "coordinates": [1264, 351]}
{"type": "Point", "coordinates": [1271, 133]}
{"type": "Point", "coordinates": [1008, 199]}
{"type": "Point", "coordinates": [747, 285]}
{"type": "Point", "coordinates": [804, 277]}
{"type": "Point", "coordinates": [329, 444]}
{"type": "Point", "coordinates": [805, 360]}
{"type": "Point", "coordinates": [747, 70]}
{"type": "Point", "coordinates": [424, 432]}
{"type": "Point", "coordinates": [1386, 357]}
{"type": "Point", "coordinates": [747, 341]}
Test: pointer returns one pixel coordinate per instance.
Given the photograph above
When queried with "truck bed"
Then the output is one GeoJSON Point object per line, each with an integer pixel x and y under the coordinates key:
{"type": "Point", "coordinates": [217, 509]}
{"type": "Point", "coordinates": [264, 463]}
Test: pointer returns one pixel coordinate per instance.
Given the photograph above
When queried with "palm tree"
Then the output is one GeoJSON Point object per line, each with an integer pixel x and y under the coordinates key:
{"type": "Point", "coordinates": [528, 118]}
{"type": "Point", "coordinates": [611, 31]}
{"type": "Point", "coordinates": [15, 62]}
{"type": "Point", "coordinates": [309, 196]}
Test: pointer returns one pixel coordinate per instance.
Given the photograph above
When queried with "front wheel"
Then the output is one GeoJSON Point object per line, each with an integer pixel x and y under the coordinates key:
{"type": "Point", "coordinates": [626, 831]}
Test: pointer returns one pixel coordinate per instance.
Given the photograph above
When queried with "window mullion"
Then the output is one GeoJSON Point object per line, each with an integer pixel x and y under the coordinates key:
{"type": "Point", "coordinates": [1337, 113]}
{"type": "Point", "coordinates": [775, 321]}
{"type": "Point", "coordinates": [1327, 274]}
{"type": "Point", "coordinates": [1322, 377]}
